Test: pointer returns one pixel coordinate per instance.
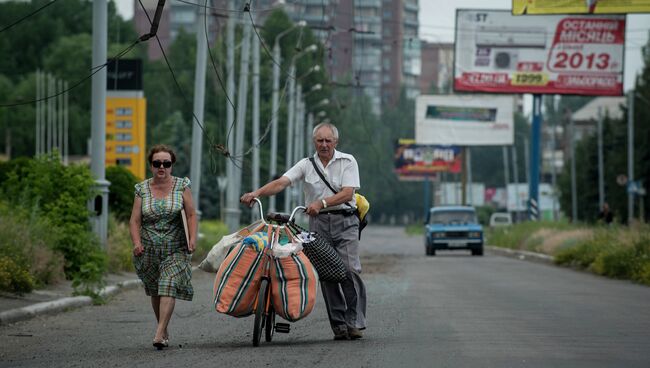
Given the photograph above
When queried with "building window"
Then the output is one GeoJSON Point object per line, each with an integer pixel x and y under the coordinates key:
{"type": "Point", "coordinates": [123, 124]}
{"type": "Point", "coordinates": [123, 161]}
{"type": "Point", "coordinates": [124, 149]}
{"type": "Point", "coordinates": [123, 111]}
{"type": "Point", "coordinates": [123, 137]}
{"type": "Point", "coordinates": [386, 78]}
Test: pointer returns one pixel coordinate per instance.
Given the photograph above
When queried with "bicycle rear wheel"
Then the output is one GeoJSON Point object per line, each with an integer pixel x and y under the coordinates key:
{"type": "Point", "coordinates": [260, 313]}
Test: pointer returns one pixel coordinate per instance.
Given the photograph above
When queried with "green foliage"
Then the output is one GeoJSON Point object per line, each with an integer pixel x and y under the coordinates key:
{"type": "Point", "coordinates": [120, 247]}
{"type": "Point", "coordinates": [28, 249]}
{"type": "Point", "coordinates": [516, 236]}
{"type": "Point", "coordinates": [212, 231]}
{"type": "Point", "coordinates": [120, 197]}
{"type": "Point", "coordinates": [415, 230]}
{"type": "Point", "coordinates": [483, 214]}
{"type": "Point", "coordinates": [58, 195]}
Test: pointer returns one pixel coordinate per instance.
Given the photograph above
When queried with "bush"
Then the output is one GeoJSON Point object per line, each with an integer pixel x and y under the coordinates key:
{"type": "Point", "coordinates": [119, 246]}
{"type": "Point", "coordinates": [13, 277]}
{"type": "Point", "coordinates": [120, 196]}
{"type": "Point", "coordinates": [28, 245]}
{"type": "Point", "coordinates": [59, 195]}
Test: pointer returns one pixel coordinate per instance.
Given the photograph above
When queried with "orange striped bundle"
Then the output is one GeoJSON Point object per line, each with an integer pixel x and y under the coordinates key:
{"type": "Point", "coordinates": [294, 284]}
{"type": "Point", "coordinates": [238, 281]}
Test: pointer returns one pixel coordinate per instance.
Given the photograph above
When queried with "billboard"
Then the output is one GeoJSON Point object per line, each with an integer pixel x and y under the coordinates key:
{"type": "Point", "coordinates": [520, 7]}
{"type": "Point", "coordinates": [416, 161]}
{"type": "Point", "coordinates": [497, 52]}
{"type": "Point", "coordinates": [470, 120]}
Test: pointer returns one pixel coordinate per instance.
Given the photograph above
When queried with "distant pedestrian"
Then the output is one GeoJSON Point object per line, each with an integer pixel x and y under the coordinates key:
{"type": "Point", "coordinates": [162, 248]}
{"type": "Point", "coordinates": [605, 215]}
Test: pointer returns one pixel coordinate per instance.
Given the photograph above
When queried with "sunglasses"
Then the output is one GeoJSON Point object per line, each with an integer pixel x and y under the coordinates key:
{"type": "Point", "coordinates": [157, 164]}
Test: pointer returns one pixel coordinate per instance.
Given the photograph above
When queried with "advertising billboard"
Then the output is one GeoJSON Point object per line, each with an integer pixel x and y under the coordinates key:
{"type": "Point", "coordinates": [416, 161]}
{"type": "Point", "coordinates": [520, 7]}
{"type": "Point", "coordinates": [469, 120]}
{"type": "Point", "coordinates": [497, 52]}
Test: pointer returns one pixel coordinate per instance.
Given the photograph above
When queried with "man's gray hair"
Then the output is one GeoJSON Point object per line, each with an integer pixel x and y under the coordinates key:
{"type": "Point", "coordinates": [329, 125]}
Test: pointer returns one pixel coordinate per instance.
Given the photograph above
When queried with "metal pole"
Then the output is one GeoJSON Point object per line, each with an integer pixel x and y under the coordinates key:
{"type": "Point", "coordinates": [232, 207]}
{"type": "Point", "coordinates": [274, 120]}
{"type": "Point", "coordinates": [470, 185]}
{"type": "Point", "coordinates": [241, 108]}
{"type": "Point", "coordinates": [66, 125]}
{"type": "Point", "coordinates": [574, 195]}
{"type": "Point", "coordinates": [515, 165]}
{"type": "Point", "coordinates": [533, 167]}
{"type": "Point", "coordinates": [290, 117]}
{"type": "Point", "coordinates": [506, 171]}
{"type": "Point", "coordinates": [50, 112]}
{"type": "Point", "coordinates": [527, 159]}
{"type": "Point", "coordinates": [55, 112]}
{"type": "Point", "coordinates": [463, 179]}
{"type": "Point", "coordinates": [199, 106]}
{"type": "Point", "coordinates": [60, 125]}
{"type": "Point", "coordinates": [43, 112]}
{"type": "Point", "coordinates": [256, 121]}
{"type": "Point", "coordinates": [554, 159]}
{"type": "Point", "coordinates": [601, 168]}
{"type": "Point", "coordinates": [38, 113]}
{"type": "Point", "coordinates": [630, 154]}
{"type": "Point", "coordinates": [98, 118]}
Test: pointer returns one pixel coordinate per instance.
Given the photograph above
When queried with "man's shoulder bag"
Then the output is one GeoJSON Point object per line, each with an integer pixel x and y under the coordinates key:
{"type": "Point", "coordinates": [363, 206]}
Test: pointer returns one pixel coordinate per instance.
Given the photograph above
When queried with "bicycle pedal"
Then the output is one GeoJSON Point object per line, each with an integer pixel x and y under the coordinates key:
{"type": "Point", "coordinates": [282, 327]}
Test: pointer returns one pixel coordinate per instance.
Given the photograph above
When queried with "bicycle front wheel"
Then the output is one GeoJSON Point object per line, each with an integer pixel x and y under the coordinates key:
{"type": "Point", "coordinates": [269, 320]}
{"type": "Point", "coordinates": [260, 313]}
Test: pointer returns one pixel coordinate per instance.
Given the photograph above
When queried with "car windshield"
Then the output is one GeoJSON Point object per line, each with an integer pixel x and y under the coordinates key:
{"type": "Point", "coordinates": [452, 217]}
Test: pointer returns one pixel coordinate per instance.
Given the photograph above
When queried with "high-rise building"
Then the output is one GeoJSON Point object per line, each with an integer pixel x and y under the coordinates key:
{"type": "Point", "coordinates": [437, 67]}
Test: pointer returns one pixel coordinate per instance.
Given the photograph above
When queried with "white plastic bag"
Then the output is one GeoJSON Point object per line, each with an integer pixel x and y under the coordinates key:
{"type": "Point", "coordinates": [281, 251]}
{"type": "Point", "coordinates": [218, 252]}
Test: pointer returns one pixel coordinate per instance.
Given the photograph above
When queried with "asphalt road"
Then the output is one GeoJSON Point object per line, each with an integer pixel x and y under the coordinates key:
{"type": "Point", "coordinates": [451, 310]}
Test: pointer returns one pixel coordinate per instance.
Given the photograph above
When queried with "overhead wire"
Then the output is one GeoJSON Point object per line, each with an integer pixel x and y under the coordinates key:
{"type": "Point", "coordinates": [6, 28]}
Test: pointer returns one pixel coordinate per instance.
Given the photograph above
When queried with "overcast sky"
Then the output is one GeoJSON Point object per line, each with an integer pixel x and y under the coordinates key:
{"type": "Point", "coordinates": [437, 24]}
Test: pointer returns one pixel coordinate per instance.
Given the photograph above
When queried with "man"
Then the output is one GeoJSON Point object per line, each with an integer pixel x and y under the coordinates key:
{"type": "Point", "coordinates": [334, 220]}
{"type": "Point", "coordinates": [606, 216]}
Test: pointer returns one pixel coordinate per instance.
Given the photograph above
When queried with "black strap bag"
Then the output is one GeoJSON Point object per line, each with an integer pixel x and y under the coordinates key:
{"type": "Point", "coordinates": [323, 257]}
{"type": "Point", "coordinates": [363, 221]}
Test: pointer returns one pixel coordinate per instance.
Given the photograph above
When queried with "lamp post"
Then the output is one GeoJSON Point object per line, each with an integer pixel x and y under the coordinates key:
{"type": "Point", "coordinates": [275, 101]}
{"type": "Point", "coordinates": [291, 117]}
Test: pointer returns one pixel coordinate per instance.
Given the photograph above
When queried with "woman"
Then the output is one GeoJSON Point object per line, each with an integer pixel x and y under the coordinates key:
{"type": "Point", "coordinates": [161, 252]}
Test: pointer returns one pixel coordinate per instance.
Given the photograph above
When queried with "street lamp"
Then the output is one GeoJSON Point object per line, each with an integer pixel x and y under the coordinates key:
{"type": "Point", "coordinates": [275, 101]}
{"type": "Point", "coordinates": [291, 112]}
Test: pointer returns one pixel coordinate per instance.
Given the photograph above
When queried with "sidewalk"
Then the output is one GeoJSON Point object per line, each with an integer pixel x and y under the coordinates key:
{"type": "Point", "coordinates": [54, 298]}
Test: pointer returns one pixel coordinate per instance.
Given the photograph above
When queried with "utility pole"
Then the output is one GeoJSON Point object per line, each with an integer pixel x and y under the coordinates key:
{"type": "Point", "coordinates": [601, 168]}
{"type": "Point", "coordinates": [290, 118]}
{"type": "Point", "coordinates": [553, 158]}
{"type": "Point", "coordinates": [66, 125]}
{"type": "Point", "coordinates": [533, 170]}
{"type": "Point", "coordinates": [199, 105]}
{"type": "Point", "coordinates": [630, 155]}
{"type": "Point", "coordinates": [574, 191]}
{"type": "Point", "coordinates": [470, 185]}
{"type": "Point", "coordinates": [256, 121]}
{"type": "Point", "coordinates": [37, 130]}
{"type": "Point", "coordinates": [241, 112]}
{"type": "Point", "coordinates": [274, 119]}
{"type": "Point", "coordinates": [506, 171]}
{"type": "Point", "coordinates": [232, 206]}
{"type": "Point", "coordinates": [527, 160]}
{"type": "Point", "coordinates": [98, 118]}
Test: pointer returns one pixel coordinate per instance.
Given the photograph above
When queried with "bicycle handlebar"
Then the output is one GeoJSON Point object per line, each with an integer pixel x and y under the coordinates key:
{"type": "Point", "coordinates": [291, 217]}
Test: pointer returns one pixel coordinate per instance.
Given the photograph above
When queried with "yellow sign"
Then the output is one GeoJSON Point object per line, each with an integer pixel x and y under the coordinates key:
{"type": "Point", "coordinates": [521, 7]}
{"type": "Point", "coordinates": [529, 79]}
{"type": "Point", "coordinates": [126, 132]}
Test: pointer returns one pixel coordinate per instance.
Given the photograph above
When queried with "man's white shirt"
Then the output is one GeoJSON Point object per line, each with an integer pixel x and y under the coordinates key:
{"type": "Point", "coordinates": [342, 171]}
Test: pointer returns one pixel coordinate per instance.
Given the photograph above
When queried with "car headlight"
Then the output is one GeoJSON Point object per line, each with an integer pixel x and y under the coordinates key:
{"type": "Point", "coordinates": [474, 234]}
{"type": "Point", "coordinates": [438, 235]}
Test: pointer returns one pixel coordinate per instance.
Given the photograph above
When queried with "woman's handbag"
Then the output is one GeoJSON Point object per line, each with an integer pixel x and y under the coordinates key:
{"type": "Point", "coordinates": [326, 261]}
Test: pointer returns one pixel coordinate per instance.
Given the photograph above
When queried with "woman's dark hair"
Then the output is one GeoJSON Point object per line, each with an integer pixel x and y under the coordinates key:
{"type": "Point", "coordinates": [161, 148]}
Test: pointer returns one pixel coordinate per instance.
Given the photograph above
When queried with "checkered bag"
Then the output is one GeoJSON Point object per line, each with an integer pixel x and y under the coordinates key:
{"type": "Point", "coordinates": [324, 258]}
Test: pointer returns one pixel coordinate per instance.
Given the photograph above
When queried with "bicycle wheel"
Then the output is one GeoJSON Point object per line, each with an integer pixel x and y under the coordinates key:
{"type": "Point", "coordinates": [270, 324]}
{"type": "Point", "coordinates": [260, 314]}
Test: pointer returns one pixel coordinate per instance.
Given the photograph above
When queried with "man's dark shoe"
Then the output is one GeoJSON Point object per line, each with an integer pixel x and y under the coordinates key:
{"type": "Point", "coordinates": [354, 333]}
{"type": "Point", "coordinates": [341, 335]}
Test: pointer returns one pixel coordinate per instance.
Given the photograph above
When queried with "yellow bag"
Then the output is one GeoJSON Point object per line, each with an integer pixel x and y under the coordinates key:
{"type": "Point", "coordinates": [362, 205]}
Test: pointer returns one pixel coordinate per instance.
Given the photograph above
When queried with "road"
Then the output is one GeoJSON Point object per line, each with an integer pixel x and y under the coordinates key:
{"type": "Point", "coordinates": [451, 310]}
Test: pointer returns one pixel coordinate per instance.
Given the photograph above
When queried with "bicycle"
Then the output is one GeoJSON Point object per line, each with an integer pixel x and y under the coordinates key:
{"type": "Point", "coordinates": [264, 311]}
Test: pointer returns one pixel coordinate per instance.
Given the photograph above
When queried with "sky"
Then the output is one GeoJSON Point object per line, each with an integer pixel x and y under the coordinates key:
{"type": "Point", "coordinates": [437, 19]}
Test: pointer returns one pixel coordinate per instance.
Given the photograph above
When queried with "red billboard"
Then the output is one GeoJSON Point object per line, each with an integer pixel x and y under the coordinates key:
{"type": "Point", "coordinates": [417, 161]}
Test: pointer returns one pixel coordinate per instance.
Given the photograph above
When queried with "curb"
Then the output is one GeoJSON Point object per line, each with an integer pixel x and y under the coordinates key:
{"type": "Point", "coordinates": [59, 305]}
{"type": "Point", "coordinates": [522, 255]}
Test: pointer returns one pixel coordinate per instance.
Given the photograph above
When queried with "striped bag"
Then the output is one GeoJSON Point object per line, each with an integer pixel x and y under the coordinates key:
{"type": "Point", "coordinates": [238, 281]}
{"type": "Point", "coordinates": [294, 284]}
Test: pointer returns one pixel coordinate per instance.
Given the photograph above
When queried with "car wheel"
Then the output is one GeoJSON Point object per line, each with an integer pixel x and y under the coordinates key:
{"type": "Point", "coordinates": [430, 250]}
{"type": "Point", "coordinates": [477, 252]}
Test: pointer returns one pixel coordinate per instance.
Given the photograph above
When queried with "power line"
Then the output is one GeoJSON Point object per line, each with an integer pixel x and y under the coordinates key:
{"type": "Point", "coordinates": [27, 16]}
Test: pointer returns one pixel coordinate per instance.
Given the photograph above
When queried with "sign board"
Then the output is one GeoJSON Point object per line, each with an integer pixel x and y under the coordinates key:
{"type": "Point", "coordinates": [417, 161]}
{"type": "Point", "coordinates": [469, 120]}
{"type": "Point", "coordinates": [520, 7]}
{"type": "Point", "coordinates": [497, 52]}
{"type": "Point", "coordinates": [518, 197]}
{"type": "Point", "coordinates": [451, 193]}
